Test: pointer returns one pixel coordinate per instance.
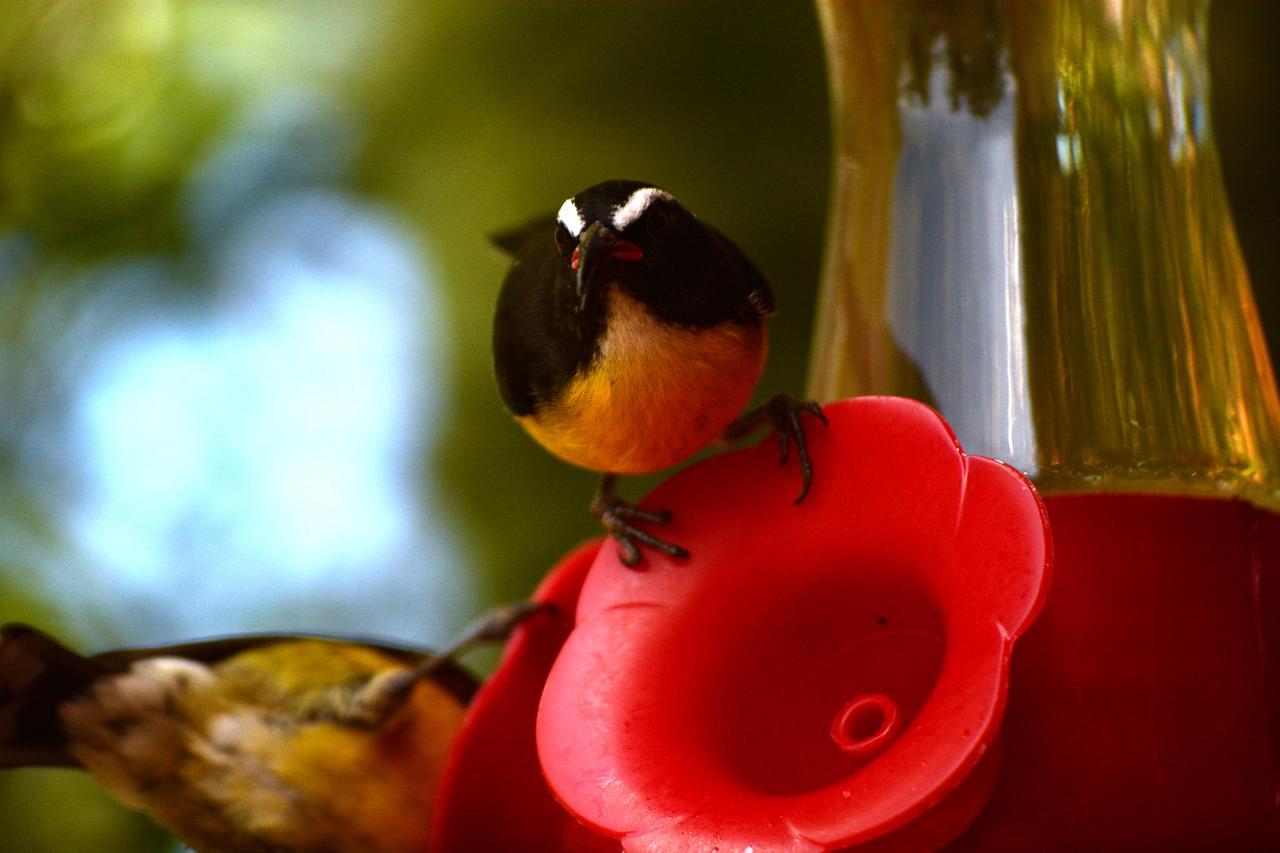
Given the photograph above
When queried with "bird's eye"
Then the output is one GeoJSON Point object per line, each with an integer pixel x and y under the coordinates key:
{"type": "Point", "coordinates": [657, 221]}
{"type": "Point", "coordinates": [563, 239]}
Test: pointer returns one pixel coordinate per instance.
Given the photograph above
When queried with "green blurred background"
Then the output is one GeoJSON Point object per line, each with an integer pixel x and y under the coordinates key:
{"type": "Point", "coordinates": [245, 293]}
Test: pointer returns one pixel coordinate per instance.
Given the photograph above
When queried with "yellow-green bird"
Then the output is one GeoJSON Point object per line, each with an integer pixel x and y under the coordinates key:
{"type": "Point", "coordinates": [262, 743]}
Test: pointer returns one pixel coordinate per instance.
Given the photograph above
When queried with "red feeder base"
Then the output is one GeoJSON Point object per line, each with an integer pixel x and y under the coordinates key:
{"type": "Point", "coordinates": [1144, 708]}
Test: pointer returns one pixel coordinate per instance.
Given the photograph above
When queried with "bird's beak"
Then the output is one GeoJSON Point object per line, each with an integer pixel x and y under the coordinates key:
{"type": "Point", "coordinates": [595, 245]}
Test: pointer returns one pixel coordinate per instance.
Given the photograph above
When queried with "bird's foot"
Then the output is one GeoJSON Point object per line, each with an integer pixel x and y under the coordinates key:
{"type": "Point", "coordinates": [616, 516]}
{"type": "Point", "coordinates": [783, 412]}
{"type": "Point", "coordinates": [386, 692]}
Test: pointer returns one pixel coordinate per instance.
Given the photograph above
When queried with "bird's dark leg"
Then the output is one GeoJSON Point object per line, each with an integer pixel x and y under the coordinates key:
{"type": "Point", "coordinates": [383, 695]}
{"type": "Point", "coordinates": [493, 627]}
{"type": "Point", "coordinates": [616, 514]}
{"type": "Point", "coordinates": [784, 412]}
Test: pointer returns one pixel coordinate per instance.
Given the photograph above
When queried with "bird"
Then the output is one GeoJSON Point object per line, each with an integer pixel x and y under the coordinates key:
{"type": "Point", "coordinates": [254, 744]}
{"type": "Point", "coordinates": [628, 335]}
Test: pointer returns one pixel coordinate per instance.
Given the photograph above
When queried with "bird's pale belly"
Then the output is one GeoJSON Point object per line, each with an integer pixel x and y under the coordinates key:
{"type": "Point", "coordinates": [656, 396]}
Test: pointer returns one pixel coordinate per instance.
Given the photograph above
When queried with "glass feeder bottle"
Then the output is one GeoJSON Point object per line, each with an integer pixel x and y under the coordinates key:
{"type": "Point", "coordinates": [1029, 231]}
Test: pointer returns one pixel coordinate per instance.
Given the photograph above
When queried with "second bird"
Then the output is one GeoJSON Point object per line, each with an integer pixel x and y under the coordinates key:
{"type": "Point", "coordinates": [629, 334]}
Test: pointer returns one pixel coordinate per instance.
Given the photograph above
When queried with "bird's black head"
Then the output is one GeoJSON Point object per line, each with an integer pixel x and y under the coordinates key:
{"type": "Point", "coordinates": [639, 237]}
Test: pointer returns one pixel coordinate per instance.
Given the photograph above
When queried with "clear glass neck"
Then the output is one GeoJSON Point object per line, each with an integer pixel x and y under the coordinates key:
{"type": "Point", "coordinates": [1029, 231]}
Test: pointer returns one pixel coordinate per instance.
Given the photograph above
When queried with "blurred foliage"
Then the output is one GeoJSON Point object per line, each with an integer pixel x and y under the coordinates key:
{"type": "Point", "coordinates": [56, 811]}
{"type": "Point", "coordinates": [140, 138]}
{"type": "Point", "coordinates": [1244, 76]}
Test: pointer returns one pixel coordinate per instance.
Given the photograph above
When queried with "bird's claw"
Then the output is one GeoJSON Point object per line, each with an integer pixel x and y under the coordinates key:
{"type": "Point", "coordinates": [616, 514]}
{"type": "Point", "coordinates": [784, 412]}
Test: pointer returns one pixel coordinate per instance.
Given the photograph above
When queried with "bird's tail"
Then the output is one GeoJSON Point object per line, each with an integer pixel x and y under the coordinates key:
{"type": "Point", "coordinates": [37, 675]}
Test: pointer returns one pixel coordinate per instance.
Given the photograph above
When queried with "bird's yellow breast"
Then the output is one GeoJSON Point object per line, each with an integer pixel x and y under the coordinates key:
{"type": "Point", "coordinates": [656, 394]}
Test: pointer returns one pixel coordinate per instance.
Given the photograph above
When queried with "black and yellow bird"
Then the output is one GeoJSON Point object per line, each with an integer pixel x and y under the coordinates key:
{"type": "Point", "coordinates": [629, 335]}
{"type": "Point", "coordinates": [249, 744]}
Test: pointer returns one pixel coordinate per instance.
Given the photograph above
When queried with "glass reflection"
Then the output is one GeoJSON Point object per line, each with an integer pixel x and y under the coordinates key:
{"type": "Point", "coordinates": [955, 274]}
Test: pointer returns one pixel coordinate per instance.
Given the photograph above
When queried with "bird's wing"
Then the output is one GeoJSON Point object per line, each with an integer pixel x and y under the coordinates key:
{"type": "Point", "coordinates": [755, 290]}
{"type": "Point", "coordinates": [460, 683]}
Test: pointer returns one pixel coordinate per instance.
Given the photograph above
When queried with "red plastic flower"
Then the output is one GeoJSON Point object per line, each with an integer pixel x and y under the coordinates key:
{"type": "Point", "coordinates": [817, 676]}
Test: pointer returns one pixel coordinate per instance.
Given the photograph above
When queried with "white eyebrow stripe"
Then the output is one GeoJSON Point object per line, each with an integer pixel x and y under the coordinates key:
{"type": "Point", "coordinates": [635, 206]}
{"type": "Point", "coordinates": [570, 217]}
